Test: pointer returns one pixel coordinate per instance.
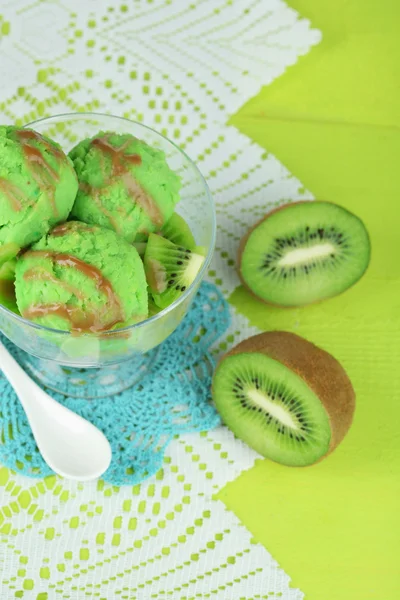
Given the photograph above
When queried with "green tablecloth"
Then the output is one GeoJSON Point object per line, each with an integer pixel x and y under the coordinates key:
{"type": "Point", "coordinates": [334, 120]}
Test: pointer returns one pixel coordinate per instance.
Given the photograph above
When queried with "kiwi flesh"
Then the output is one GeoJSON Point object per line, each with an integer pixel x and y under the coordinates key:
{"type": "Point", "coordinates": [153, 308]}
{"type": "Point", "coordinates": [140, 247]}
{"type": "Point", "coordinates": [141, 238]}
{"type": "Point", "coordinates": [7, 289]}
{"type": "Point", "coordinates": [303, 253]}
{"type": "Point", "coordinates": [177, 231]}
{"type": "Point", "coordinates": [8, 252]}
{"type": "Point", "coordinates": [200, 250]}
{"type": "Point", "coordinates": [170, 269]}
{"type": "Point", "coordinates": [289, 400]}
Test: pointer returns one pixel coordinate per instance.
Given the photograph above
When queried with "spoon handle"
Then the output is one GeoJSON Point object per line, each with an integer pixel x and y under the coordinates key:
{"type": "Point", "coordinates": [70, 445]}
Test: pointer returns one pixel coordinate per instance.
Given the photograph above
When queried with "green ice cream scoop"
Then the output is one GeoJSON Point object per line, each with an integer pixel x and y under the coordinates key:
{"type": "Point", "coordinates": [38, 186]}
{"type": "Point", "coordinates": [81, 278]}
{"type": "Point", "coordinates": [124, 184]}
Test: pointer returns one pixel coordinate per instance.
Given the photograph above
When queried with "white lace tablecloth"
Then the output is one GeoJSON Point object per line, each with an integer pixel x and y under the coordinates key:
{"type": "Point", "coordinates": [183, 67]}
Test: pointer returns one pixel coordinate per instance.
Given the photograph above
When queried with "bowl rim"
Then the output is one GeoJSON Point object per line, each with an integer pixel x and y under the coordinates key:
{"type": "Point", "coordinates": [192, 286]}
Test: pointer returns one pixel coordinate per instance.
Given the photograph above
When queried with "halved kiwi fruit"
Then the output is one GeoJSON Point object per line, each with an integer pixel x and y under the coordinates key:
{"type": "Point", "coordinates": [289, 400]}
{"type": "Point", "coordinates": [304, 252]}
{"type": "Point", "coordinates": [170, 269]}
{"type": "Point", "coordinates": [177, 231]}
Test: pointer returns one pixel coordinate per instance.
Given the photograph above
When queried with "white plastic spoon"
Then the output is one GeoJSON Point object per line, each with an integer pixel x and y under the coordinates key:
{"type": "Point", "coordinates": [70, 445]}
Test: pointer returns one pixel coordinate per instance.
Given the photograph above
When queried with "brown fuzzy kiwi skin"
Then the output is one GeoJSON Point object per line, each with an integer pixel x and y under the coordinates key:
{"type": "Point", "coordinates": [243, 243]}
{"type": "Point", "coordinates": [319, 369]}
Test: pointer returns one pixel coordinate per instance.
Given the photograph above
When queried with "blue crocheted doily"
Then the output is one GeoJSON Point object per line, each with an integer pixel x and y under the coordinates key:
{"type": "Point", "coordinates": [173, 398]}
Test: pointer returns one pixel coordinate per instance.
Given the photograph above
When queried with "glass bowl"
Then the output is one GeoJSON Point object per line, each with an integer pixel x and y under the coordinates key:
{"type": "Point", "coordinates": [99, 365]}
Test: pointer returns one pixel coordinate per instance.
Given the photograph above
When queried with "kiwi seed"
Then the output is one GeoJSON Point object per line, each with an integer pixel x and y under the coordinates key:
{"type": "Point", "coordinates": [169, 268]}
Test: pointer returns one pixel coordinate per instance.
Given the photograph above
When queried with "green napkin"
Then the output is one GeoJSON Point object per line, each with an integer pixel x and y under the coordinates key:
{"type": "Point", "coordinates": [335, 527]}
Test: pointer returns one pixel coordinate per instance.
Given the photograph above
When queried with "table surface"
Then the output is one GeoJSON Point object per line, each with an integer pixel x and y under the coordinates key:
{"type": "Point", "coordinates": [334, 120]}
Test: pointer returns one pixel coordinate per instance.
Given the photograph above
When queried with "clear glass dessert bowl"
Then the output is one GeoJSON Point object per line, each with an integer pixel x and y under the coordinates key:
{"type": "Point", "coordinates": [93, 365]}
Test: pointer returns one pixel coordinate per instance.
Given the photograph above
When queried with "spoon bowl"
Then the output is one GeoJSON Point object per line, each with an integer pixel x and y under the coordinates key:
{"type": "Point", "coordinates": [70, 445]}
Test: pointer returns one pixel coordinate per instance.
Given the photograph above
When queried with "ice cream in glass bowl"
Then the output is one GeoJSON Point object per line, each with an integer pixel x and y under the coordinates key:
{"type": "Point", "coordinates": [101, 254]}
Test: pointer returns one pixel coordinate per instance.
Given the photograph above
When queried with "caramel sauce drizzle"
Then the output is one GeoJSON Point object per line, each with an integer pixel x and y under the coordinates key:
{"type": "Point", "coordinates": [91, 321]}
{"type": "Point", "coordinates": [120, 163]}
{"type": "Point", "coordinates": [42, 172]}
{"type": "Point", "coordinates": [36, 274]}
{"type": "Point", "coordinates": [94, 194]}
{"type": "Point", "coordinates": [13, 193]}
{"type": "Point", "coordinates": [68, 227]}
{"type": "Point", "coordinates": [62, 229]}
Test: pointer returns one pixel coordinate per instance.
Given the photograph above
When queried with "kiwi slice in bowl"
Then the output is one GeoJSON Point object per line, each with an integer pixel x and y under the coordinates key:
{"type": "Point", "coordinates": [7, 289]}
{"type": "Point", "coordinates": [303, 253]}
{"type": "Point", "coordinates": [289, 400]}
{"type": "Point", "coordinates": [140, 247]}
{"type": "Point", "coordinates": [170, 269]}
{"type": "Point", "coordinates": [8, 252]}
{"type": "Point", "coordinates": [141, 238]}
{"type": "Point", "coordinates": [153, 308]}
{"type": "Point", "coordinates": [177, 231]}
